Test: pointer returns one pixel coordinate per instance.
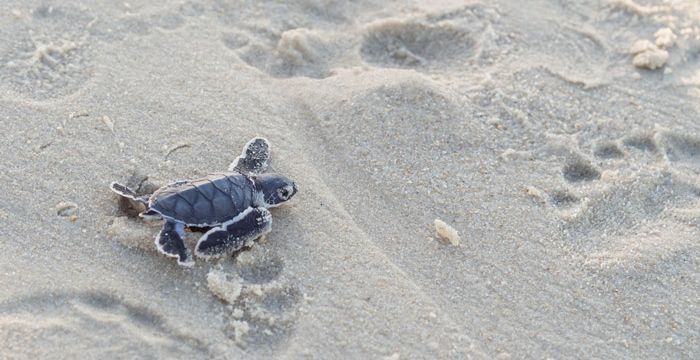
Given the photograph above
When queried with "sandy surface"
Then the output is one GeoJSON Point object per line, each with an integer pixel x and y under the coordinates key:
{"type": "Point", "coordinates": [560, 139]}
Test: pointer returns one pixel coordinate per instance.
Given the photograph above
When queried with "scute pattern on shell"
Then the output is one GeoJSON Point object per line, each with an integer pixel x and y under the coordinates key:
{"type": "Point", "coordinates": [207, 201]}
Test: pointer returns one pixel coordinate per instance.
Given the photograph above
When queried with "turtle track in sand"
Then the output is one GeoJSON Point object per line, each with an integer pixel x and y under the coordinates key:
{"type": "Point", "coordinates": [261, 305]}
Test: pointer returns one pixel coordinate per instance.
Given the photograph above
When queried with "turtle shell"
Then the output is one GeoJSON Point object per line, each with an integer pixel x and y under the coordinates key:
{"type": "Point", "coordinates": [207, 201]}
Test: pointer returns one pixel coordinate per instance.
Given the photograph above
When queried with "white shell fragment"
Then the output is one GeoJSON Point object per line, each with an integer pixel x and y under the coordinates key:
{"type": "Point", "coordinates": [446, 232]}
{"type": "Point", "coordinates": [108, 123]}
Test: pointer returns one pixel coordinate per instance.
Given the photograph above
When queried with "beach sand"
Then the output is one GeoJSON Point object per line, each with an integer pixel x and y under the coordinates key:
{"type": "Point", "coordinates": [558, 138]}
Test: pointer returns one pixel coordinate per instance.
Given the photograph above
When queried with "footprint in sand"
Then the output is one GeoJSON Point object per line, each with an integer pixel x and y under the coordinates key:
{"type": "Point", "coordinates": [641, 212]}
{"type": "Point", "coordinates": [289, 47]}
{"type": "Point", "coordinates": [415, 44]}
{"type": "Point", "coordinates": [82, 323]}
{"type": "Point", "coordinates": [640, 142]}
{"type": "Point", "coordinates": [580, 52]}
{"type": "Point", "coordinates": [580, 170]}
{"type": "Point", "coordinates": [427, 43]}
{"type": "Point", "coordinates": [563, 198]}
{"type": "Point", "coordinates": [47, 55]}
{"type": "Point", "coordinates": [295, 52]}
{"type": "Point", "coordinates": [608, 150]}
{"type": "Point", "coordinates": [263, 307]}
{"type": "Point", "coordinates": [681, 150]}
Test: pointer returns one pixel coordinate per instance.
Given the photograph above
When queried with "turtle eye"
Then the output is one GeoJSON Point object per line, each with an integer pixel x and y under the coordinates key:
{"type": "Point", "coordinates": [283, 193]}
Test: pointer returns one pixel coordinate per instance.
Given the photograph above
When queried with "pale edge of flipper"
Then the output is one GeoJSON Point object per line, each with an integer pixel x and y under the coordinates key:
{"type": "Point", "coordinates": [234, 164]}
{"type": "Point", "coordinates": [189, 263]}
{"type": "Point", "coordinates": [256, 233]}
{"type": "Point", "coordinates": [126, 192]}
{"type": "Point", "coordinates": [190, 258]}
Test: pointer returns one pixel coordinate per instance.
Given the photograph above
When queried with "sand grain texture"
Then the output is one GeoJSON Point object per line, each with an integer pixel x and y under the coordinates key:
{"type": "Point", "coordinates": [560, 137]}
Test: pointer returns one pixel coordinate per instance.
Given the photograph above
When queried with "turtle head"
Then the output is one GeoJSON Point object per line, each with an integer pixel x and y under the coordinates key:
{"type": "Point", "coordinates": [275, 189]}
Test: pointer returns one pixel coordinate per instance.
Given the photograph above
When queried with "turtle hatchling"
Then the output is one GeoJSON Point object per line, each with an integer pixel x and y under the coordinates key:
{"type": "Point", "coordinates": [233, 204]}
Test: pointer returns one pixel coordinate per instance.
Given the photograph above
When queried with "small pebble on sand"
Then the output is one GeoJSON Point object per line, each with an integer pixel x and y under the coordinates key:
{"type": "Point", "coordinates": [446, 232]}
{"type": "Point", "coordinates": [108, 123]}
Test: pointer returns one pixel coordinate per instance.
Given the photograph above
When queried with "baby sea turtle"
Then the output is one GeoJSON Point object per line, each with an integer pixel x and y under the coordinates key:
{"type": "Point", "coordinates": [233, 203]}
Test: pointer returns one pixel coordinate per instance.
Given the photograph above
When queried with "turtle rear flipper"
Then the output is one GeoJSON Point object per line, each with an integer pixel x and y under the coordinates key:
{"type": "Point", "coordinates": [170, 241]}
{"type": "Point", "coordinates": [151, 215]}
{"type": "Point", "coordinates": [126, 192]}
{"type": "Point", "coordinates": [255, 157]}
{"type": "Point", "coordinates": [235, 233]}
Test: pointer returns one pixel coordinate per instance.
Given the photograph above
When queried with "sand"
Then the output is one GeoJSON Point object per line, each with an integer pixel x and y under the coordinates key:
{"type": "Point", "coordinates": [567, 164]}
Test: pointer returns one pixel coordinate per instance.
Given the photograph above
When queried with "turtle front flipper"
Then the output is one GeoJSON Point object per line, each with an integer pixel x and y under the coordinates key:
{"type": "Point", "coordinates": [254, 159]}
{"type": "Point", "coordinates": [235, 233]}
{"type": "Point", "coordinates": [170, 241]}
{"type": "Point", "coordinates": [126, 192]}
